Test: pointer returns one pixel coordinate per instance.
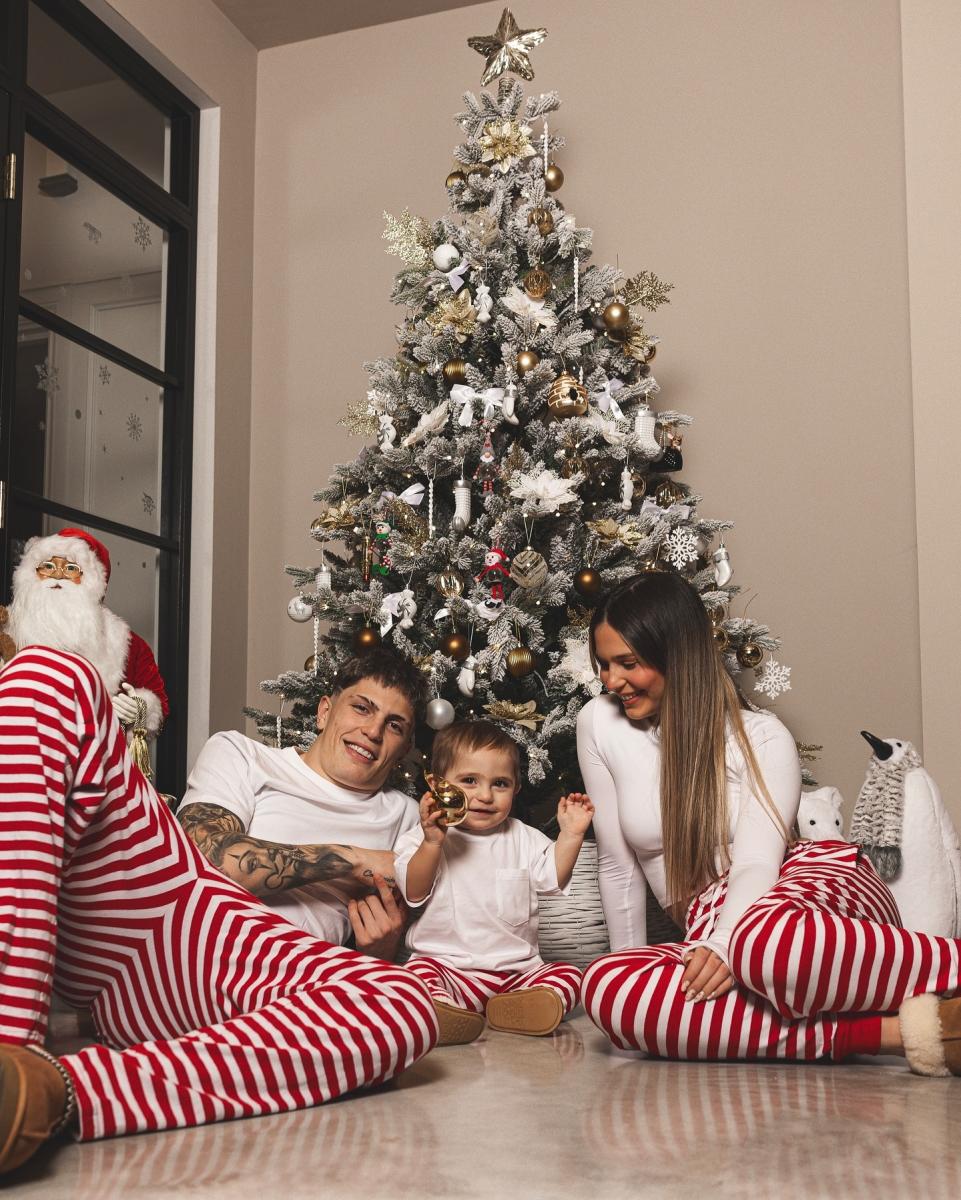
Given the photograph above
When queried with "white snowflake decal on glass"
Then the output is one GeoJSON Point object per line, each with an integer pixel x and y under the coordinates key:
{"type": "Point", "coordinates": [773, 679]}
{"type": "Point", "coordinates": [682, 547]}
{"type": "Point", "coordinates": [141, 234]}
{"type": "Point", "coordinates": [93, 233]}
{"type": "Point", "coordinates": [134, 427]}
{"type": "Point", "coordinates": [149, 504]}
{"type": "Point", "coordinates": [104, 374]}
{"type": "Point", "coordinates": [48, 377]}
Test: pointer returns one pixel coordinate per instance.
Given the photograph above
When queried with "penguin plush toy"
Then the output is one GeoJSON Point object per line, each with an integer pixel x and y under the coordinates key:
{"type": "Point", "coordinates": [901, 823]}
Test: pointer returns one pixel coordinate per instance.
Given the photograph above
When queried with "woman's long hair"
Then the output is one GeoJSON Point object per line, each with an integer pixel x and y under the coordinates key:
{"type": "Point", "coordinates": [662, 619]}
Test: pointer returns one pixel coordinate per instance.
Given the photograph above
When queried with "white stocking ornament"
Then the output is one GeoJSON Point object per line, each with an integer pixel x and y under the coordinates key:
{"type": "Point", "coordinates": [645, 423]}
{"type": "Point", "coordinates": [461, 505]}
{"type": "Point", "coordinates": [510, 400]}
{"type": "Point", "coordinates": [722, 566]}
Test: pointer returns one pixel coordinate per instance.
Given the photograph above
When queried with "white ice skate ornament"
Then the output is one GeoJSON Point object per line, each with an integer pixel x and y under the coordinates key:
{"type": "Point", "coordinates": [819, 816]}
{"type": "Point", "coordinates": [483, 303]}
{"type": "Point", "coordinates": [902, 824]}
{"type": "Point", "coordinates": [722, 566]}
{"type": "Point", "coordinates": [467, 676]}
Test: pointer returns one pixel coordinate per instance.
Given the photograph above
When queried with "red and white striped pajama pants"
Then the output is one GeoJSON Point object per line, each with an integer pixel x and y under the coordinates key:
{"type": "Point", "coordinates": [472, 989]}
{"type": "Point", "coordinates": [823, 944]}
{"type": "Point", "coordinates": [211, 1006]}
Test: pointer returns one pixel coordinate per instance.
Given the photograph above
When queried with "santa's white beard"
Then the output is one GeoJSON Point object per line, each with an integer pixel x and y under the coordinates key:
{"type": "Point", "coordinates": [70, 617]}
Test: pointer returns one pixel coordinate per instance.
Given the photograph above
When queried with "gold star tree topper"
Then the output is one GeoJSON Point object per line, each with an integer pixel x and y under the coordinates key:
{"type": "Point", "coordinates": [508, 49]}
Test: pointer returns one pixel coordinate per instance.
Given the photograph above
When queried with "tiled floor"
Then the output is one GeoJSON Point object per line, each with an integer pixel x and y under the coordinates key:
{"type": "Point", "coordinates": [535, 1119]}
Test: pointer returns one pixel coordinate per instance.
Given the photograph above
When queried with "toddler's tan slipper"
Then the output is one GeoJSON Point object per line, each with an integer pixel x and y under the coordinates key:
{"type": "Point", "coordinates": [536, 1011]}
{"type": "Point", "coordinates": [458, 1026]}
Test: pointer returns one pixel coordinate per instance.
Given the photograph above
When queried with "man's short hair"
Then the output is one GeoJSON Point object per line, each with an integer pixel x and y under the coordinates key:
{"type": "Point", "coordinates": [387, 669]}
{"type": "Point", "coordinates": [465, 736]}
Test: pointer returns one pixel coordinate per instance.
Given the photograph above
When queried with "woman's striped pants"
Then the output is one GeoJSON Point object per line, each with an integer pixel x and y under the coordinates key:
{"type": "Point", "coordinates": [822, 945]}
{"type": "Point", "coordinates": [472, 989]}
{"type": "Point", "coordinates": [210, 1006]}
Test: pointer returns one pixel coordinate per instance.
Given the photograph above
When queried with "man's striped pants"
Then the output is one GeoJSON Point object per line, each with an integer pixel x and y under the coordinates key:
{"type": "Point", "coordinates": [209, 1005]}
{"type": "Point", "coordinates": [821, 948]}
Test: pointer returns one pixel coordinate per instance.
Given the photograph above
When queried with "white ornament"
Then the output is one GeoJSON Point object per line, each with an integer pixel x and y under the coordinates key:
{"type": "Point", "coordinates": [456, 277]}
{"type": "Point", "coordinates": [429, 423]}
{"type": "Point", "coordinates": [483, 303]}
{"type": "Point", "coordinates": [722, 566]}
{"type": "Point", "coordinates": [682, 546]}
{"type": "Point", "coordinates": [445, 256]}
{"type": "Point", "coordinates": [491, 398]}
{"type": "Point", "coordinates": [627, 487]}
{"type": "Point", "coordinates": [388, 430]}
{"type": "Point", "coordinates": [510, 401]}
{"type": "Point", "coordinates": [399, 606]}
{"type": "Point", "coordinates": [440, 713]}
{"type": "Point", "coordinates": [323, 579]}
{"type": "Point", "coordinates": [299, 610]}
{"type": "Point", "coordinates": [461, 505]}
{"type": "Point", "coordinates": [604, 398]}
{"type": "Point", "coordinates": [489, 609]}
{"type": "Point", "coordinates": [521, 305]}
{"type": "Point", "coordinates": [773, 680]}
{"type": "Point", "coordinates": [546, 491]}
{"type": "Point", "coordinates": [645, 422]}
{"type": "Point", "coordinates": [467, 676]}
{"type": "Point", "coordinates": [576, 662]}
{"type": "Point", "coordinates": [610, 431]}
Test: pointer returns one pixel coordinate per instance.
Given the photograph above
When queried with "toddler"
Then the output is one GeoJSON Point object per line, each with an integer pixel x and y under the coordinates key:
{"type": "Point", "coordinates": [475, 943]}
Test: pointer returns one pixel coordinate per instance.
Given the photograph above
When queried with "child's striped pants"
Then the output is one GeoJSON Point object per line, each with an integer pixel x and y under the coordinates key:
{"type": "Point", "coordinates": [210, 1005]}
{"type": "Point", "coordinates": [823, 944]}
{"type": "Point", "coordinates": [472, 989]}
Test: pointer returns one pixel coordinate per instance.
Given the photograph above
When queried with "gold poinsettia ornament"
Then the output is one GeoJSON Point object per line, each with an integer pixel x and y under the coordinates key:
{"type": "Point", "coordinates": [458, 312]}
{"type": "Point", "coordinates": [339, 516]}
{"type": "Point", "coordinates": [525, 714]}
{"type": "Point", "coordinates": [506, 143]}
{"type": "Point", "coordinates": [610, 531]}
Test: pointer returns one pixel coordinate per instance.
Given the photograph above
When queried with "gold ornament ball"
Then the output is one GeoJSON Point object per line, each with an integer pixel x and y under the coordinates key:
{"type": "Point", "coordinates": [587, 583]}
{"type": "Point", "coordinates": [317, 529]}
{"type": "Point", "coordinates": [750, 655]}
{"type": "Point", "coordinates": [567, 397]}
{"type": "Point", "coordinates": [616, 316]}
{"type": "Point", "coordinates": [482, 170]}
{"type": "Point", "coordinates": [553, 177]}
{"type": "Point", "coordinates": [717, 614]}
{"type": "Point", "coordinates": [456, 177]}
{"type": "Point", "coordinates": [455, 370]}
{"type": "Point", "coordinates": [649, 353]}
{"type": "Point", "coordinates": [311, 663]}
{"type": "Point", "coordinates": [520, 662]}
{"type": "Point", "coordinates": [455, 646]}
{"type": "Point", "coordinates": [449, 583]}
{"type": "Point", "coordinates": [542, 218]}
{"type": "Point", "coordinates": [537, 283]}
{"type": "Point", "coordinates": [366, 638]}
{"type": "Point", "coordinates": [667, 493]}
{"type": "Point", "coordinates": [721, 640]}
{"type": "Point", "coordinates": [527, 360]}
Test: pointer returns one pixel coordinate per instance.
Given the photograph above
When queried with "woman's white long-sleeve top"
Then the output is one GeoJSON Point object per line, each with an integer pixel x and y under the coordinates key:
{"type": "Point", "coordinates": [621, 765]}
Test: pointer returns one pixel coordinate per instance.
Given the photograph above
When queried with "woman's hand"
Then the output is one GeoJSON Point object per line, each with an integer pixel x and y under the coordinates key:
{"type": "Point", "coordinates": [706, 976]}
{"type": "Point", "coordinates": [431, 820]}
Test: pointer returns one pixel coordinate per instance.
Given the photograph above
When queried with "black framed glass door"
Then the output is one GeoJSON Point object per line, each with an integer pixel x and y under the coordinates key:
{"type": "Point", "coordinates": [97, 319]}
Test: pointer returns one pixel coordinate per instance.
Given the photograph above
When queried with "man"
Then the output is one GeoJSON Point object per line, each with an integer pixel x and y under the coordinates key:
{"type": "Point", "coordinates": [59, 587]}
{"type": "Point", "coordinates": [257, 812]}
{"type": "Point", "coordinates": [209, 1005]}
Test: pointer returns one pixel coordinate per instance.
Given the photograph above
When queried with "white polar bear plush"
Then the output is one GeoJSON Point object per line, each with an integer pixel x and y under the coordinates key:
{"type": "Point", "coordinates": [819, 817]}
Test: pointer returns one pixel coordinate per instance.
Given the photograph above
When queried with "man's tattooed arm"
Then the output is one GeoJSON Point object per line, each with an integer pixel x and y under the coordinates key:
{"type": "Point", "coordinates": [265, 868]}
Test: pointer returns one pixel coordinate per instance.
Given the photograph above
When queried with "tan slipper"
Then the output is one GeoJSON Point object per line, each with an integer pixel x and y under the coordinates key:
{"type": "Point", "coordinates": [458, 1026]}
{"type": "Point", "coordinates": [536, 1011]}
{"type": "Point", "coordinates": [931, 1033]}
{"type": "Point", "coordinates": [33, 1104]}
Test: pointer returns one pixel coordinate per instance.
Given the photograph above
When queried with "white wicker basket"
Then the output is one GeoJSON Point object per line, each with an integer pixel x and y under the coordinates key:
{"type": "Point", "coordinates": [572, 928]}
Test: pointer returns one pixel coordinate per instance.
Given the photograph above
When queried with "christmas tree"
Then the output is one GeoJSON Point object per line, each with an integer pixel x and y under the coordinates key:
{"type": "Point", "coordinates": [518, 466]}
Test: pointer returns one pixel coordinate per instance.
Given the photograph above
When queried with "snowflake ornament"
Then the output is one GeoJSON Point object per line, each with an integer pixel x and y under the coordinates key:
{"type": "Point", "coordinates": [141, 234]}
{"type": "Point", "coordinates": [773, 679]}
{"type": "Point", "coordinates": [134, 427]}
{"type": "Point", "coordinates": [682, 547]}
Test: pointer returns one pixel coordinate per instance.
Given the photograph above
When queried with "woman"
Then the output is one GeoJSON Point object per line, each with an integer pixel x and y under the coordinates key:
{"type": "Point", "coordinates": [792, 949]}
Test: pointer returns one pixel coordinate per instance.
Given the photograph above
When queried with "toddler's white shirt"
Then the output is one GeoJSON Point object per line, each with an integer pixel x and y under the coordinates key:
{"type": "Point", "coordinates": [280, 799]}
{"type": "Point", "coordinates": [481, 913]}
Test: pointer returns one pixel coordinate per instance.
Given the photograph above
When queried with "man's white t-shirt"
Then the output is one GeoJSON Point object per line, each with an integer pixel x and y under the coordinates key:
{"type": "Point", "coordinates": [280, 799]}
{"type": "Point", "coordinates": [481, 913]}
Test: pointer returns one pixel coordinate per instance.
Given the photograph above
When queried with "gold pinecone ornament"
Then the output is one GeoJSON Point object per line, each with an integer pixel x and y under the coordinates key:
{"type": "Point", "coordinates": [520, 662]}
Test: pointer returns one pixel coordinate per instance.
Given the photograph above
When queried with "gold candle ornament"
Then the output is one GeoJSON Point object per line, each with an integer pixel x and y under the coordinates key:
{"type": "Point", "coordinates": [451, 800]}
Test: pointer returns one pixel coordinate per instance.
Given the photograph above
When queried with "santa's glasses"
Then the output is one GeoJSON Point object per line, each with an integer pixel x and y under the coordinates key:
{"type": "Point", "coordinates": [59, 568]}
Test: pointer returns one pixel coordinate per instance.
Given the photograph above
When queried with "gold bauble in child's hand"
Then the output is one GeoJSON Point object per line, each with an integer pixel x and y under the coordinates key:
{"type": "Point", "coordinates": [451, 799]}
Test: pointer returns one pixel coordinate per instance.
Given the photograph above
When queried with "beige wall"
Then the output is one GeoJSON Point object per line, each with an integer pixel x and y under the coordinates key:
{"type": "Point", "coordinates": [751, 152]}
{"type": "Point", "coordinates": [195, 45]}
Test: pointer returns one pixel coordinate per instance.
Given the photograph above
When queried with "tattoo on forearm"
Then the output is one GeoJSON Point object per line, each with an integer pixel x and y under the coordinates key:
{"type": "Point", "coordinates": [260, 866]}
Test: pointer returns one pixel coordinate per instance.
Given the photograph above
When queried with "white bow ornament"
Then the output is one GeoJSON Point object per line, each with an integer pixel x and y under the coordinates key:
{"type": "Point", "coordinates": [605, 398]}
{"type": "Point", "coordinates": [400, 607]}
{"type": "Point", "coordinates": [456, 277]}
{"type": "Point", "coordinates": [411, 496]}
{"type": "Point", "coordinates": [462, 393]}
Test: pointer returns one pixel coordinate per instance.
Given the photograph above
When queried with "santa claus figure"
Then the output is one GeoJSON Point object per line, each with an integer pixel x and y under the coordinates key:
{"type": "Point", "coordinates": [58, 591]}
{"type": "Point", "coordinates": [495, 572]}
